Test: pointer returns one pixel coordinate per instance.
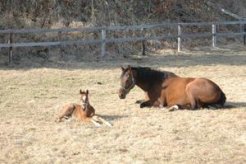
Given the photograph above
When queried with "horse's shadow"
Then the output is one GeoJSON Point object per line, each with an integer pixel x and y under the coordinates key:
{"type": "Point", "coordinates": [230, 104]}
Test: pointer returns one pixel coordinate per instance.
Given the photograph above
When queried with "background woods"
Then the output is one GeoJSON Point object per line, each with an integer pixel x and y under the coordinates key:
{"type": "Point", "coordinates": [46, 13]}
{"type": "Point", "coordinates": [53, 14]}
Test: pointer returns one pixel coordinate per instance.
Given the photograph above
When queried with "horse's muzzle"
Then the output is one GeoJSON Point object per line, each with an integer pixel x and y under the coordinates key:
{"type": "Point", "coordinates": [122, 94]}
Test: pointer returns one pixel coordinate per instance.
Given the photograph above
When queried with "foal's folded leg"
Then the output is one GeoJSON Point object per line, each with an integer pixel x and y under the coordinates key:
{"type": "Point", "coordinates": [95, 122]}
{"type": "Point", "coordinates": [101, 120]}
{"type": "Point", "coordinates": [66, 112]}
{"type": "Point", "coordinates": [105, 122]}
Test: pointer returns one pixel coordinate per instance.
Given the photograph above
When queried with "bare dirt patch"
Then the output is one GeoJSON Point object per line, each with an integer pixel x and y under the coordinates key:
{"type": "Point", "coordinates": [31, 97]}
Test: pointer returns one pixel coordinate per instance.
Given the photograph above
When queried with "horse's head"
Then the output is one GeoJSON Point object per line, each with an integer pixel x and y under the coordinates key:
{"type": "Point", "coordinates": [127, 80]}
{"type": "Point", "coordinates": [84, 98]}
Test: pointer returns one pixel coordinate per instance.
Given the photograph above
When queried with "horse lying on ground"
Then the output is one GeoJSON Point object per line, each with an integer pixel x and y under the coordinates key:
{"type": "Point", "coordinates": [84, 112]}
{"type": "Point", "coordinates": [165, 89]}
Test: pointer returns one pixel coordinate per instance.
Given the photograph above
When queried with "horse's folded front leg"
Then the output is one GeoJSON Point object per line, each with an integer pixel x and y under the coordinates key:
{"type": "Point", "coordinates": [143, 100]}
{"type": "Point", "coordinates": [139, 101]}
{"type": "Point", "coordinates": [146, 104]}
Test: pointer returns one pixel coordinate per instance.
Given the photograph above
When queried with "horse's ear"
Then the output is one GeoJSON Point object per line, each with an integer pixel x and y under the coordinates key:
{"type": "Point", "coordinates": [122, 68]}
{"type": "Point", "coordinates": [87, 91]}
{"type": "Point", "coordinates": [129, 68]}
{"type": "Point", "coordinates": [80, 91]}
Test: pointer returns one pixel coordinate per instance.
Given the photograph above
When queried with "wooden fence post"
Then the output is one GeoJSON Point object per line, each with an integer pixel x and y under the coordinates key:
{"type": "Point", "coordinates": [243, 30]}
{"type": "Point", "coordinates": [103, 44]}
{"type": "Point", "coordinates": [62, 48]}
{"type": "Point", "coordinates": [179, 37]}
{"type": "Point", "coordinates": [10, 41]}
{"type": "Point", "coordinates": [214, 39]}
{"type": "Point", "coordinates": [143, 43]}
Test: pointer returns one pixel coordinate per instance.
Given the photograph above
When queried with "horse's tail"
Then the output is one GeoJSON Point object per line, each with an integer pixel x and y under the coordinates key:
{"type": "Point", "coordinates": [222, 99]}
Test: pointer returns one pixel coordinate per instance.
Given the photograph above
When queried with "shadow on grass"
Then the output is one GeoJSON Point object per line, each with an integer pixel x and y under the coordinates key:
{"type": "Point", "coordinates": [112, 117]}
{"type": "Point", "coordinates": [229, 106]}
{"type": "Point", "coordinates": [235, 104]}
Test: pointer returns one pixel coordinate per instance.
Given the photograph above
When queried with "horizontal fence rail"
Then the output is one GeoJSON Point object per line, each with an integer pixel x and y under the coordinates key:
{"type": "Point", "coordinates": [102, 31]}
{"type": "Point", "coordinates": [115, 28]}
{"type": "Point", "coordinates": [115, 40]}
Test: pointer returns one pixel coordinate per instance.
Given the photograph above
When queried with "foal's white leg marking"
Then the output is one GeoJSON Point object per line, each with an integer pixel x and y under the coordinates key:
{"type": "Point", "coordinates": [100, 119]}
{"type": "Point", "coordinates": [173, 108]}
{"type": "Point", "coordinates": [95, 123]}
{"type": "Point", "coordinates": [105, 122]}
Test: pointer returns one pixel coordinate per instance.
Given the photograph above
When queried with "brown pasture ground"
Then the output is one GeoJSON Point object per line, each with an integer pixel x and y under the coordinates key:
{"type": "Point", "coordinates": [30, 99]}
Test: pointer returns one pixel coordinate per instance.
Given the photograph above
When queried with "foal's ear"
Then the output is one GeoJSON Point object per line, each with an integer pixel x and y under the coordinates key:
{"type": "Point", "coordinates": [87, 91]}
{"type": "Point", "coordinates": [80, 91]}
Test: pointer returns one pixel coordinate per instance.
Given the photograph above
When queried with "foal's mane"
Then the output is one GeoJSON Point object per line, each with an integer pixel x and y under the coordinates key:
{"type": "Point", "coordinates": [146, 74]}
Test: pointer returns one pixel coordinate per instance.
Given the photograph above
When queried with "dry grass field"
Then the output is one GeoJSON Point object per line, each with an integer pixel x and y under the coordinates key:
{"type": "Point", "coordinates": [30, 99]}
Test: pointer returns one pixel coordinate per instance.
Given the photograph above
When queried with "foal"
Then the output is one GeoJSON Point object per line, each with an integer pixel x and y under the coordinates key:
{"type": "Point", "coordinates": [84, 112]}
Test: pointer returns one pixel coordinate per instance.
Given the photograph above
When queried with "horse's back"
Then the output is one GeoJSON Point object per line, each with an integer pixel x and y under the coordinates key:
{"type": "Point", "coordinates": [192, 92]}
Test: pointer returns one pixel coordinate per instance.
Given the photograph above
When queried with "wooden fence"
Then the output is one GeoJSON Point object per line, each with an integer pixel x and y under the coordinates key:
{"type": "Point", "coordinates": [105, 40]}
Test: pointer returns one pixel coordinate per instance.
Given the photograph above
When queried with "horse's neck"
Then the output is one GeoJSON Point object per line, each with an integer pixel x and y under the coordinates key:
{"type": "Point", "coordinates": [143, 86]}
{"type": "Point", "coordinates": [148, 84]}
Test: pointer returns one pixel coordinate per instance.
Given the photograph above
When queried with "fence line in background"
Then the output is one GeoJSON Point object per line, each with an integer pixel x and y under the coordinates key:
{"type": "Point", "coordinates": [115, 28]}
{"type": "Point", "coordinates": [104, 40]}
{"type": "Point", "coordinates": [114, 40]}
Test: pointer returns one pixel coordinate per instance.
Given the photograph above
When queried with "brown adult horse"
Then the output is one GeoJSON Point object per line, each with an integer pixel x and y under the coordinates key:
{"type": "Point", "coordinates": [84, 112]}
{"type": "Point", "coordinates": [164, 88]}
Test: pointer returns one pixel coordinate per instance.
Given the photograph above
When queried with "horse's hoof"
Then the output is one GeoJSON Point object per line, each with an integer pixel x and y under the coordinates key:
{"type": "Point", "coordinates": [139, 101]}
{"type": "Point", "coordinates": [142, 105]}
{"type": "Point", "coordinates": [173, 108]}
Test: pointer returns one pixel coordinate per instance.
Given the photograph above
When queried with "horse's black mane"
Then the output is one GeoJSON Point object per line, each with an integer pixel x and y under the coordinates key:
{"type": "Point", "coordinates": [146, 74]}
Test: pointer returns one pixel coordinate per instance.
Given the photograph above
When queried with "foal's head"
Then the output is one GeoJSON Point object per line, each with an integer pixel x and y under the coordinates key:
{"type": "Point", "coordinates": [127, 80]}
{"type": "Point", "coordinates": [84, 98]}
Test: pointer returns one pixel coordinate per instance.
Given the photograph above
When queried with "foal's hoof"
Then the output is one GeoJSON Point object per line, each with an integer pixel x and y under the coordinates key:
{"type": "Point", "coordinates": [58, 120]}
